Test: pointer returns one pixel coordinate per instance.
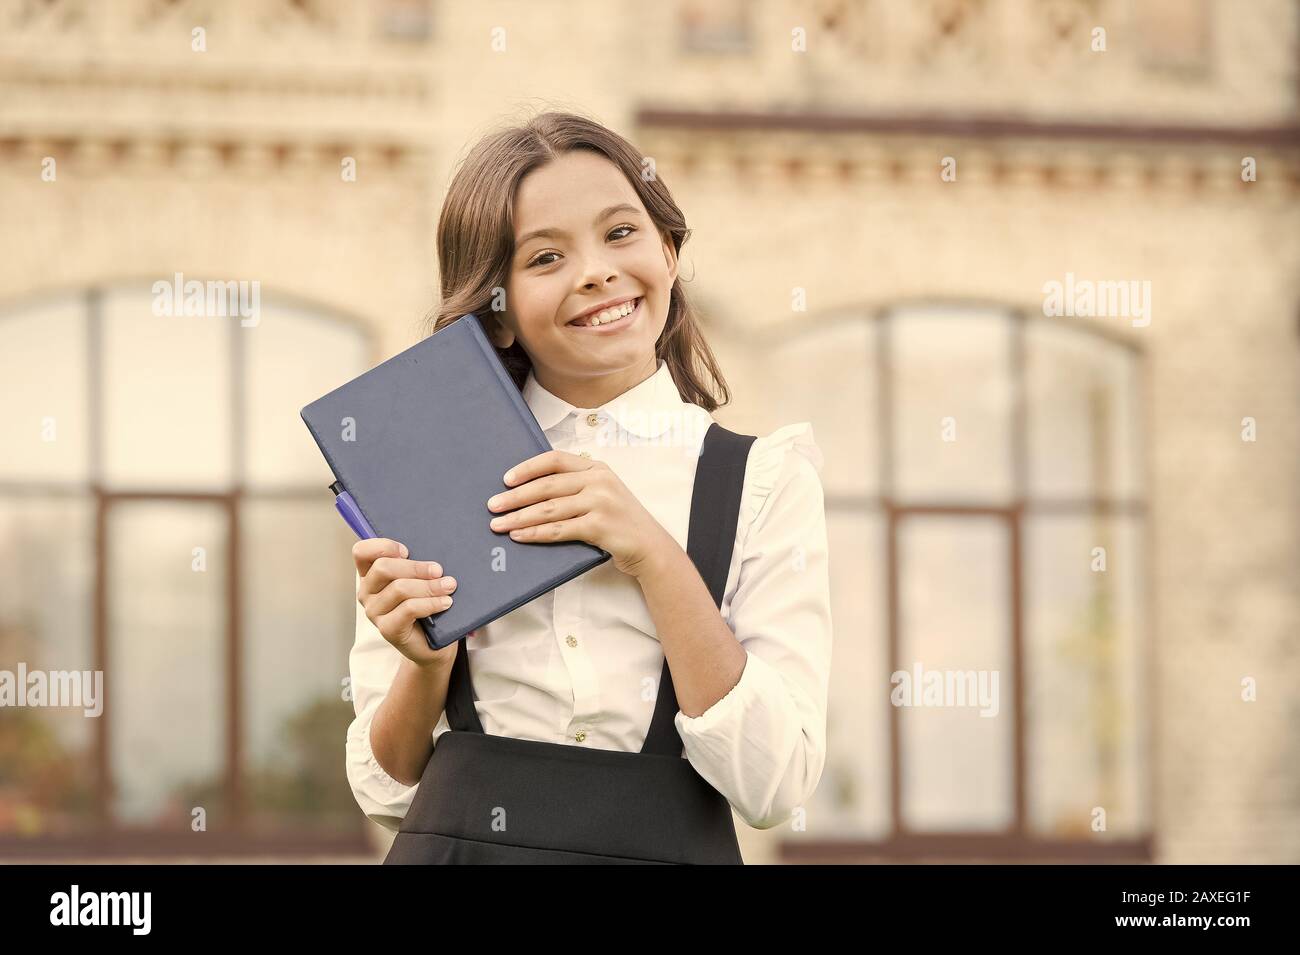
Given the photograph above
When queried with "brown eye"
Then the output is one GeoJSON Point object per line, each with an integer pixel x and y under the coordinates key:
{"type": "Point", "coordinates": [622, 228]}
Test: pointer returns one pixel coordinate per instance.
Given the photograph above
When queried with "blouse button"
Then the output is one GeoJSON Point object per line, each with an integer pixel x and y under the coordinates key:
{"type": "Point", "coordinates": [571, 640]}
{"type": "Point", "coordinates": [592, 419]}
{"type": "Point", "coordinates": [580, 735]}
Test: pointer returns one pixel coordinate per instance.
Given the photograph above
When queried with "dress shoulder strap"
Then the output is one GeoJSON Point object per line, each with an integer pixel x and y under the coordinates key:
{"type": "Point", "coordinates": [715, 511]}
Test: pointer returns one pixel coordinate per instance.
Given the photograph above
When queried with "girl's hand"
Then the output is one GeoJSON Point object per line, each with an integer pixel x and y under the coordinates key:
{"type": "Point", "coordinates": [397, 592]}
{"type": "Point", "coordinates": [558, 496]}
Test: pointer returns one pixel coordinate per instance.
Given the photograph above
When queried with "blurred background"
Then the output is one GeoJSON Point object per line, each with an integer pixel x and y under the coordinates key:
{"type": "Point", "coordinates": [1098, 506]}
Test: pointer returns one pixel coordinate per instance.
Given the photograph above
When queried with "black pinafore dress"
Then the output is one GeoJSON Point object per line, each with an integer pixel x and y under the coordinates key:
{"type": "Point", "coordinates": [497, 799]}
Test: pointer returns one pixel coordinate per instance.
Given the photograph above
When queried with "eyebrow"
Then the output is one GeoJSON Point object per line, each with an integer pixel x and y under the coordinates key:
{"type": "Point", "coordinates": [603, 214]}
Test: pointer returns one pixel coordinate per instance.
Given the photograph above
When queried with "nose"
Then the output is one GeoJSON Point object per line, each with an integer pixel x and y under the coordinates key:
{"type": "Point", "coordinates": [597, 271]}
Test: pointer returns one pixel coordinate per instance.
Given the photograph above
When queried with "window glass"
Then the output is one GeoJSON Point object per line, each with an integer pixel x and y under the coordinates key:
{"type": "Point", "coordinates": [952, 405]}
{"type": "Point", "coordinates": [166, 396]}
{"type": "Point", "coordinates": [44, 427]}
{"type": "Point", "coordinates": [166, 678]}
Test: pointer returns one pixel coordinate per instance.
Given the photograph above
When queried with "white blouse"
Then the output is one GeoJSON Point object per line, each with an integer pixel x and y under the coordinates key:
{"type": "Point", "coordinates": [581, 664]}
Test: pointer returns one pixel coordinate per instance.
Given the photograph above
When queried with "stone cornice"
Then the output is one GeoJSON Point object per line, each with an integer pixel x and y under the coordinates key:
{"type": "Point", "coordinates": [91, 154]}
{"type": "Point", "coordinates": [968, 127]}
{"type": "Point", "coordinates": [401, 86]}
{"type": "Point", "coordinates": [812, 150]}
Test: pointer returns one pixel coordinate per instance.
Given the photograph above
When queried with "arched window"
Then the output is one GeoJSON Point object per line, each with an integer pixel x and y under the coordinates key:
{"type": "Point", "coordinates": [164, 519]}
{"type": "Point", "coordinates": [987, 524]}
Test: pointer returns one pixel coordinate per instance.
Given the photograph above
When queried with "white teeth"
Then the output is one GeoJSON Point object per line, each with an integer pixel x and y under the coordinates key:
{"type": "Point", "coordinates": [611, 314]}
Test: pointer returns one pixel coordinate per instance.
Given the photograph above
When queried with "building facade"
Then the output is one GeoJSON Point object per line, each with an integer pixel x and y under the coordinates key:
{"type": "Point", "coordinates": [1031, 269]}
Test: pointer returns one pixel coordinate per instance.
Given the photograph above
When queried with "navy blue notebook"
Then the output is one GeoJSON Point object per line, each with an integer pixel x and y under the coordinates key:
{"type": "Point", "coordinates": [421, 442]}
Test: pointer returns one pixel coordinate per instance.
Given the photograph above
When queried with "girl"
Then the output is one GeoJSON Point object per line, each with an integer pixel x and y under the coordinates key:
{"type": "Point", "coordinates": [620, 717]}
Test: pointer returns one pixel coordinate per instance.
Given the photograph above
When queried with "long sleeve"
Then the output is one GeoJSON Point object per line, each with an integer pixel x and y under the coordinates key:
{"type": "Point", "coordinates": [763, 745]}
{"type": "Point", "coordinates": [373, 663]}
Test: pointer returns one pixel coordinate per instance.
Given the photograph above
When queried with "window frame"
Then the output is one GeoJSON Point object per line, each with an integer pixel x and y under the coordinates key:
{"type": "Point", "coordinates": [1016, 843]}
{"type": "Point", "coordinates": [105, 837]}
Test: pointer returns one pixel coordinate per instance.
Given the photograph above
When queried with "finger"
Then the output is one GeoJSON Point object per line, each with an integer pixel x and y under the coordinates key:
{"type": "Point", "coordinates": [552, 509]}
{"type": "Point", "coordinates": [365, 552]}
{"type": "Point", "coordinates": [548, 462]}
{"type": "Point", "coordinates": [399, 620]}
{"type": "Point", "coordinates": [405, 588]}
{"type": "Point", "coordinates": [387, 569]}
{"type": "Point", "coordinates": [572, 529]}
{"type": "Point", "coordinates": [539, 489]}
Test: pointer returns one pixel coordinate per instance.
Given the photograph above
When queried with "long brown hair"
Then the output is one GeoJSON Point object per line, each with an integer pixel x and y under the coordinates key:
{"type": "Point", "coordinates": [476, 240]}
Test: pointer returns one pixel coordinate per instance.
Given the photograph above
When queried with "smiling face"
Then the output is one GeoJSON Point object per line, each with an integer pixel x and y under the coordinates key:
{"type": "Point", "coordinates": [597, 245]}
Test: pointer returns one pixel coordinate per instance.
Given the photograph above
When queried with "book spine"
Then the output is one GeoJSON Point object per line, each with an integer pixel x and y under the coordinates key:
{"type": "Point", "coordinates": [507, 385]}
{"type": "Point", "coordinates": [325, 451]}
{"type": "Point", "coordinates": [340, 479]}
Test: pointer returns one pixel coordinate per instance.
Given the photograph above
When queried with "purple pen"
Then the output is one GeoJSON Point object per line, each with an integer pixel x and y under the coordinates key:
{"type": "Point", "coordinates": [351, 513]}
{"type": "Point", "coordinates": [357, 521]}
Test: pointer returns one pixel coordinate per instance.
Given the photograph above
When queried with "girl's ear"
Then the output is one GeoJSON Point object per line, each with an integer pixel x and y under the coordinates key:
{"type": "Point", "coordinates": [670, 257]}
{"type": "Point", "coordinates": [500, 333]}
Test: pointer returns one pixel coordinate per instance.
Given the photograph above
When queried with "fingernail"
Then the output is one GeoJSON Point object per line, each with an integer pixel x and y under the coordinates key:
{"type": "Point", "coordinates": [509, 476]}
{"type": "Point", "coordinates": [450, 581]}
{"type": "Point", "coordinates": [405, 552]}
